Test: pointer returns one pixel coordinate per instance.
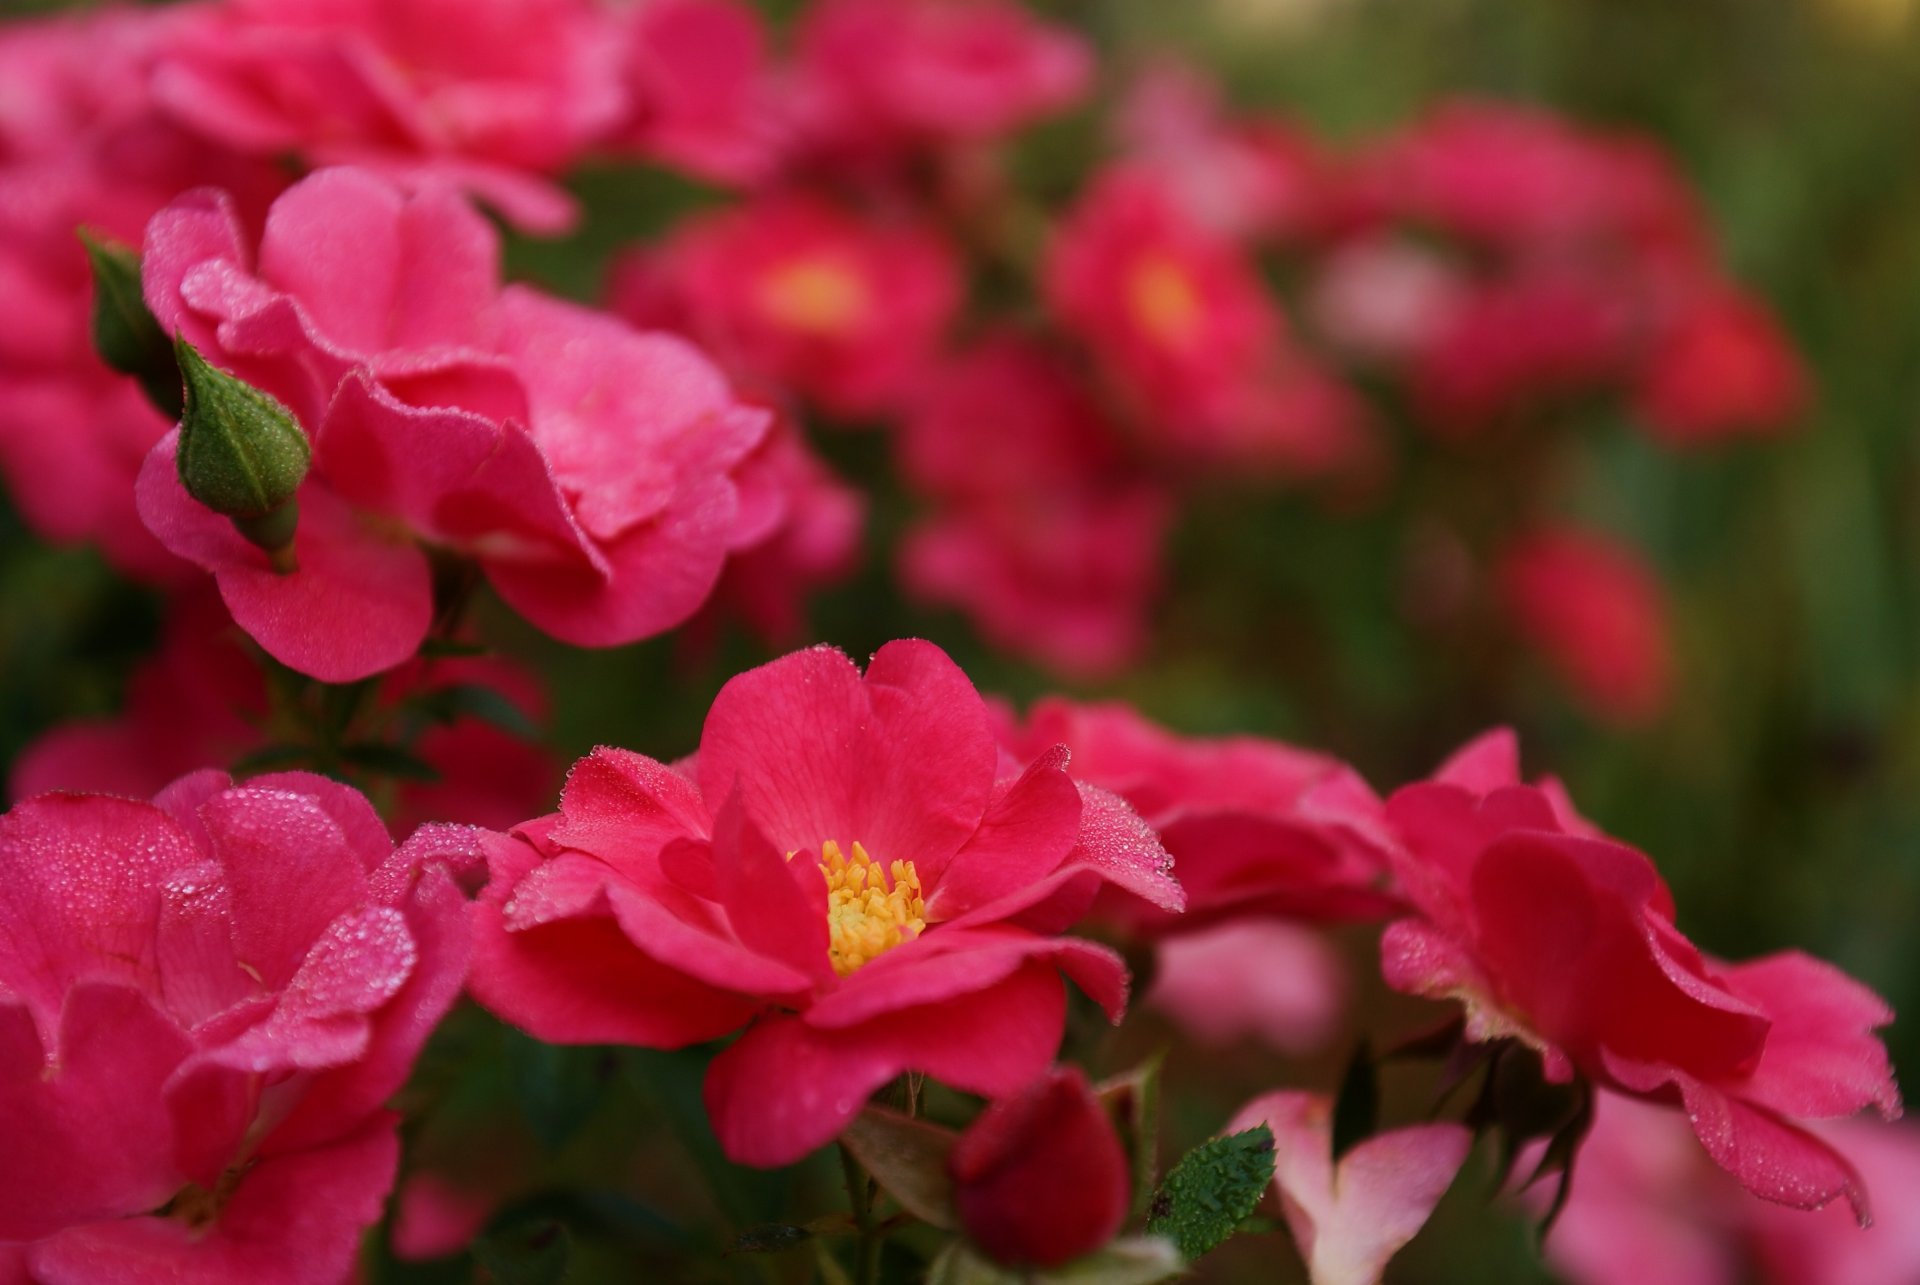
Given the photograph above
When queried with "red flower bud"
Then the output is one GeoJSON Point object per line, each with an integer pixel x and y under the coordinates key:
{"type": "Point", "coordinates": [1040, 1177]}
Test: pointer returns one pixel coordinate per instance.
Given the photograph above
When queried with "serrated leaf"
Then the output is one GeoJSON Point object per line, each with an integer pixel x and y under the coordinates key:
{"type": "Point", "coordinates": [908, 1158]}
{"type": "Point", "coordinates": [476, 700]}
{"type": "Point", "coordinates": [1214, 1187]}
{"type": "Point", "coordinates": [1134, 1100]}
{"type": "Point", "coordinates": [769, 1238]}
{"type": "Point", "coordinates": [534, 1253]}
{"type": "Point", "coordinates": [1356, 1111]}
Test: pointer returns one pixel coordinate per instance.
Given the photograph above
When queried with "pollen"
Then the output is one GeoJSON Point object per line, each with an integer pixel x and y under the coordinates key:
{"type": "Point", "coordinates": [1164, 301]}
{"type": "Point", "coordinates": [870, 908]}
{"type": "Point", "coordinates": [817, 296]}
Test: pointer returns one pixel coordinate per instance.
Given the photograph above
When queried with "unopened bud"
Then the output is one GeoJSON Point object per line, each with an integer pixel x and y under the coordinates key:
{"type": "Point", "coordinates": [125, 334]}
{"type": "Point", "coordinates": [241, 454]}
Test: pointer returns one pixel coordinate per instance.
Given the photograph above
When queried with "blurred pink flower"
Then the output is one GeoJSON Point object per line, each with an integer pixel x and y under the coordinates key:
{"type": "Point", "coordinates": [1349, 1217]}
{"type": "Point", "coordinates": [1647, 1209]}
{"type": "Point", "coordinates": [702, 91]}
{"type": "Point", "coordinates": [877, 76]}
{"type": "Point", "coordinates": [1280, 984]}
{"type": "Point", "coordinates": [586, 467]}
{"type": "Point", "coordinates": [1042, 529]}
{"type": "Point", "coordinates": [1256, 827]}
{"type": "Point", "coordinates": [1720, 367]}
{"type": "Point", "coordinates": [1558, 937]}
{"type": "Point", "coordinates": [202, 698]}
{"type": "Point", "coordinates": [804, 296]}
{"type": "Point", "coordinates": [82, 144]}
{"type": "Point", "coordinates": [843, 870]}
{"type": "Point", "coordinates": [1599, 615]}
{"type": "Point", "coordinates": [208, 1000]}
{"type": "Point", "coordinates": [491, 96]}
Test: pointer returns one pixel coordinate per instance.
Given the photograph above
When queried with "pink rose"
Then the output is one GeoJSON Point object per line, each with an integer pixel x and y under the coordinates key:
{"type": "Point", "coordinates": [1256, 827]}
{"type": "Point", "coordinates": [207, 1000]}
{"type": "Point", "coordinates": [1720, 366]}
{"type": "Point", "coordinates": [1562, 939]}
{"type": "Point", "coordinates": [1598, 613]}
{"type": "Point", "coordinates": [1043, 529]}
{"type": "Point", "coordinates": [877, 75]}
{"type": "Point", "coordinates": [843, 871]}
{"type": "Point", "coordinates": [587, 468]}
{"type": "Point", "coordinates": [492, 96]}
{"type": "Point", "coordinates": [799, 294]}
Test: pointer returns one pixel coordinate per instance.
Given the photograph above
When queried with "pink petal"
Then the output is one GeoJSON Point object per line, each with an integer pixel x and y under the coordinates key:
{"type": "Point", "coordinates": [1821, 1058]}
{"type": "Point", "coordinates": [359, 603]}
{"type": "Point", "coordinates": [1772, 1158]}
{"type": "Point", "coordinates": [783, 1088]}
{"type": "Point", "coordinates": [902, 763]}
{"type": "Point", "coordinates": [948, 963]}
{"type": "Point", "coordinates": [293, 1220]}
{"type": "Point", "coordinates": [1349, 1220]}
{"type": "Point", "coordinates": [1029, 826]}
{"type": "Point", "coordinates": [290, 872]}
{"type": "Point", "coordinates": [776, 907]}
{"type": "Point", "coordinates": [581, 981]}
{"type": "Point", "coordinates": [82, 902]}
{"type": "Point", "coordinates": [83, 1139]}
{"type": "Point", "coordinates": [624, 807]}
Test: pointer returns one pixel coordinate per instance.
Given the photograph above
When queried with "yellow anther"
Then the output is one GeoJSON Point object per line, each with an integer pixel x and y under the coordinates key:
{"type": "Point", "coordinates": [870, 908]}
{"type": "Point", "coordinates": [817, 296]}
{"type": "Point", "coordinates": [1164, 301]}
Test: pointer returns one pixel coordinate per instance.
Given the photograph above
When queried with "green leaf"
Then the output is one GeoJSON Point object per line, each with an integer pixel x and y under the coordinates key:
{"type": "Point", "coordinates": [1131, 1260]}
{"type": "Point", "coordinates": [377, 759]}
{"type": "Point", "coordinates": [1356, 1111]}
{"type": "Point", "coordinates": [535, 1253]}
{"type": "Point", "coordinates": [908, 1158]}
{"type": "Point", "coordinates": [476, 700]}
{"type": "Point", "coordinates": [1134, 1100]}
{"type": "Point", "coordinates": [1211, 1190]}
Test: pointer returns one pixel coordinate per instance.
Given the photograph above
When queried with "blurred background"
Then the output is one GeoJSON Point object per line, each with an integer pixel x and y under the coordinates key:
{"type": "Point", "coordinates": [1777, 785]}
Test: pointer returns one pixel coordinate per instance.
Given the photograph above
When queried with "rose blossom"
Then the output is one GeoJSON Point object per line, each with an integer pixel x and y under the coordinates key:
{"type": "Point", "coordinates": [1552, 934]}
{"type": "Point", "coordinates": [881, 75]}
{"type": "Point", "coordinates": [1720, 366]}
{"type": "Point", "coordinates": [798, 293]}
{"type": "Point", "coordinates": [1257, 827]}
{"type": "Point", "coordinates": [82, 145]}
{"type": "Point", "coordinates": [492, 96]}
{"type": "Point", "coordinates": [843, 871]}
{"type": "Point", "coordinates": [207, 1000]}
{"type": "Point", "coordinates": [701, 91]}
{"type": "Point", "coordinates": [587, 468]}
{"type": "Point", "coordinates": [1598, 613]}
{"type": "Point", "coordinates": [1042, 528]}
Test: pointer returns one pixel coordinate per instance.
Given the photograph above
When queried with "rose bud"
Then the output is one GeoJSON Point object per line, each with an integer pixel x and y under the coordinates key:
{"type": "Point", "coordinates": [242, 454]}
{"type": "Point", "coordinates": [1040, 1177]}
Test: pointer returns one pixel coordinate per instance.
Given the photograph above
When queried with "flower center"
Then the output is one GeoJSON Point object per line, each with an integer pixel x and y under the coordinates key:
{"type": "Point", "coordinates": [1164, 301]}
{"type": "Point", "coordinates": [870, 908]}
{"type": "Point", "coordinates": [816, 296]}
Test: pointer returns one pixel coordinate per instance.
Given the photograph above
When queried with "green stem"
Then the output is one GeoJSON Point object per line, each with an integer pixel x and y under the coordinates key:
{"type": "Point", "coordinates": [860, 1198]}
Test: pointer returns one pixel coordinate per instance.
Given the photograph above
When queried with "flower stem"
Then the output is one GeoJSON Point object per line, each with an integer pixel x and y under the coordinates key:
{"type": "Point", "coordinates": [860, 1198]}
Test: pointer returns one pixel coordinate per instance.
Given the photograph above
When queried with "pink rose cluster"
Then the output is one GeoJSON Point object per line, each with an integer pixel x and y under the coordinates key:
{"type": "Point", "coordinates": [205, 1003]}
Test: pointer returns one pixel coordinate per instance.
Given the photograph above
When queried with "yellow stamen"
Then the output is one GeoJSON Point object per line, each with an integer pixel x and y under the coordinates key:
{"type": "Point", "coordinates": [1164, 301]}
{"type": "Point", "coordinates": [870, 908]}
{"type": "Point", "coordinates": [817, 296]}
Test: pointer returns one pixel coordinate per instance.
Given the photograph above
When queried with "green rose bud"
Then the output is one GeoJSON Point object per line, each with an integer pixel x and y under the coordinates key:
{"type": "Point", "coordinates": [241, 454]}
{"type": "Point", "coordinates": [125, 334]}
